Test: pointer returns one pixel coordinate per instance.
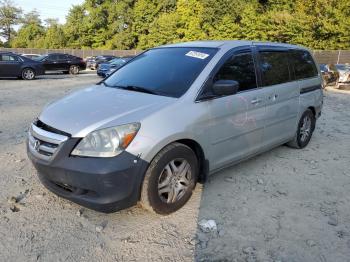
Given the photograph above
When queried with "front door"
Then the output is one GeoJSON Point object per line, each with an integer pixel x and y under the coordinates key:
{"type": "Point", "coordinates": [236, 121]}
{"type": "Point", "coordinates": [63, 63]}
{"type": "Point", "coordinates": [282, 96]}
{"type": "Point", "coordinates": [51, 63]}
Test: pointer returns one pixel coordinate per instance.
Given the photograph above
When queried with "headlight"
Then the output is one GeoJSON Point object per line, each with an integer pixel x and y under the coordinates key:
{"type": "Point", "coordinates": [107, 142]}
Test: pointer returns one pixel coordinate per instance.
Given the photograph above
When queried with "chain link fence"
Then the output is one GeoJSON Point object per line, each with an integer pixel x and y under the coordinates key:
{"type": "Point", "coordinates": [322, 57]}
{"type": "Point", "coordinates": [332, 57]}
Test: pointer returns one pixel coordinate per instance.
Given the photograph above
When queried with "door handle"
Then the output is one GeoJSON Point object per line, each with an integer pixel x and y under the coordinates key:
{"type": "Point", "coordinates": [255, 101]}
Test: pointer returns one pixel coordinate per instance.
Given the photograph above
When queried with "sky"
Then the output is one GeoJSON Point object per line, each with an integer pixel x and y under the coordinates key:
{"type": "Point", "coordinates": [48, 9]}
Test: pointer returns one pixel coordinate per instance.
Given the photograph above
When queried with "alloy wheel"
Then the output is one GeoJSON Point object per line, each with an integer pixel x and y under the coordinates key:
{"type": "Point", "coordinates": [74, 70]}
{"type": "Point", "coordinates": [174, 180]}
{"type": "Point", "coordinates": [28, 74]}
{"type": "Point", "coordinates": [305, 129]}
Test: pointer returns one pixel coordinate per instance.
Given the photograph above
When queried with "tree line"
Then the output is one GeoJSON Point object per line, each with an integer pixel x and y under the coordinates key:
{"type": "Point", "coordinates": [141, 24]}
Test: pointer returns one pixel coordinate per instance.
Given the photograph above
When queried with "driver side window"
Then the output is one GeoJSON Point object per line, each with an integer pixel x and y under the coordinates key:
{"type": "Point", "coordinates": [240, 67]}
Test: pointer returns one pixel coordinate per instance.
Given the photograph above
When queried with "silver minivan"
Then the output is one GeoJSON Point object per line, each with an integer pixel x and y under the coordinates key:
{"type": "Point", "coordinates": [170, 117]}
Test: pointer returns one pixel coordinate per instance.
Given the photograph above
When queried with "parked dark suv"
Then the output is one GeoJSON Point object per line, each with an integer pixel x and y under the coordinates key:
{"type": "Point", "coordinates": [13, 65]}
{"type": "Point", "coordinates": [62, 62]}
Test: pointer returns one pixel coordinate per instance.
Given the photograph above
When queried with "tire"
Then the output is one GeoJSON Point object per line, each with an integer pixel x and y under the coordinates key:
{"type": "Point", "coordinates": [74, 69]}
{"type": "Point", "coordinates": [306, 127]}
{"type": "Point", "coordinates": [28, 74]}
{"type": "Point", "coordinates": [162, 180]}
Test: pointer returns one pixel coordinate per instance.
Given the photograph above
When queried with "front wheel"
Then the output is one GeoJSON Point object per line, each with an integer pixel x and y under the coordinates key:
{"type": "Point", "coordinates": [170, 179]}
{"type": "Point", "coordinates": [28, 74]}
{"type": "Point", "coordinates": [74, 69]}
{"type": "Point", "coordinates": [305, 130]}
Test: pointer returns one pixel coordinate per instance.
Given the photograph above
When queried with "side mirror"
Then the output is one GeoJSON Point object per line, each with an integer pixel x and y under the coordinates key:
{"type": "Point", "coordinates": [225, 87]}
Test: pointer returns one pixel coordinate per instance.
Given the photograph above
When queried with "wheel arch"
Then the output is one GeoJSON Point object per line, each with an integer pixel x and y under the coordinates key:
{"type": "Point", "coordinates": [313, 110]}
{"type": "Point", "coordinates": [28, 67]}
{"type": "Point", "coordinates": [197, 149]}
{"type": "Point", "coordinates": [202, 161]}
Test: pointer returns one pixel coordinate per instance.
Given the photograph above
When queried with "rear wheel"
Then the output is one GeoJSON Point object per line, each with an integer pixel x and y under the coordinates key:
{"type": "Point", "coordinates": [170, 179]}
{"type": "Point", "coordinates": [305, 130]}
{"type": "Point", "coordinates": [74, 69]}
{"type": "Point", "coordinates": [28, 74]}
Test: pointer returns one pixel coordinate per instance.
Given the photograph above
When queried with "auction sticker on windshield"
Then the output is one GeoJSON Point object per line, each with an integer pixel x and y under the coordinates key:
{"type": "Point", "coordinates": [197, 54]}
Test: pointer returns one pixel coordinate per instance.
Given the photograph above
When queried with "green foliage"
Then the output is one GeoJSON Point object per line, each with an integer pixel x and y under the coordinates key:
{"type": "Point", "coordinates": [54, 37]}
{"type": "Point", "coordinates": [77, 28]}
{"type": "Point", "coordinates": [10, 15]}
{"type": "Point", "coordinates": [31, 31]}
{"type": "Point", "coordinates": [141, 24]}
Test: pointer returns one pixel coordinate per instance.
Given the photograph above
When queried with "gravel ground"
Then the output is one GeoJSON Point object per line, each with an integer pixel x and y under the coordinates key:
{"type": "Point", "coordinates": [284, 205]}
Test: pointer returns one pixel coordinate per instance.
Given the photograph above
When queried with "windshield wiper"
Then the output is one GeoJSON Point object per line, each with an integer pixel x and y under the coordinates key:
{"type": "Point", "coordinates": [105, 84]}
{"type": "Point", "coordinates": [138, 89]}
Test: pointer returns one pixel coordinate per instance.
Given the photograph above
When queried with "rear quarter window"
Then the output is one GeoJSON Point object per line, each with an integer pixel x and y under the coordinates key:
{"type": "Point", "coordinates": [9, 58]}
{"type": "Point", "coordinates": [303, 64]}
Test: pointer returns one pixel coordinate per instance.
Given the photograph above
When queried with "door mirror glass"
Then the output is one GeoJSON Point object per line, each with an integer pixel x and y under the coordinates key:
{"type": "Point", "coordinates": [225, 87]}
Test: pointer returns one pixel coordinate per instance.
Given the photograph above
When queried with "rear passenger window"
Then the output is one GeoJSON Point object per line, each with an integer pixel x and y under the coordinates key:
{"type": "Point", "coordinates": [52, 57]}
{"type": "Point", "coordinates": [8, 58]}
{"type": "Point", "coordinates": [240, 68]}
{"type": "Point", "coordinates": [274, 67]}
{"type": "Point", "coordinates": [304, 66]}
{"type": "Point", "coordinates": [61, 57]}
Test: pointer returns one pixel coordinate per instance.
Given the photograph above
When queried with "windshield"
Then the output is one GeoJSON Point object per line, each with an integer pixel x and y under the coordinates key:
{"type": "Point", "coordinates": [166, 71]}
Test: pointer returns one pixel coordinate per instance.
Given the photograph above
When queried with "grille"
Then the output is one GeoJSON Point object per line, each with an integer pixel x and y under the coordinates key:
{"type": "Point", "coordinates": [45, 144]}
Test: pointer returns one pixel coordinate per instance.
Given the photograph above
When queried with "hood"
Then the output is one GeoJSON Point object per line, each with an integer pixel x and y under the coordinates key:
{"type": "Point", "coordinates": [99, 107]}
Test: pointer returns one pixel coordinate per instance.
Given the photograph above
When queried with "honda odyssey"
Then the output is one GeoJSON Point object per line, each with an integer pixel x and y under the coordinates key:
{"type": "Point", "coordinates": [170, 117]}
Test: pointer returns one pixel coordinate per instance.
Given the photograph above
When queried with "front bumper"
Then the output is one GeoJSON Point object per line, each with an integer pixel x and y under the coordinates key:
{"type": "Point", "coordinates": [101, 73]}
{"type": "Point", "coordinates": [344, 79]}
{"type": "Point", "coordinates": [102, 184]}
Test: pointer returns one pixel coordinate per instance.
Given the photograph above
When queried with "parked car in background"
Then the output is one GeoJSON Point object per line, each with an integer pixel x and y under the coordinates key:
{"type": "Point", "coordinates": [31, 56]}
{"type": "Point", "coordinates": [94, 63]}
{"type": "Point", "coordinates": [171, 117]}
{"type": "Point", "coordinates": [89, 61]}
{"type": "Point", "coordinates": [13, 65]}
{"type": "Point", "coordinates": [62, 62]}
{"type": "Point", "coordinates": [111, 66]}
{"type": "Point", "coordinates": [330, 74]}
{"type": "Point", "coordinates": [344, 74]}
